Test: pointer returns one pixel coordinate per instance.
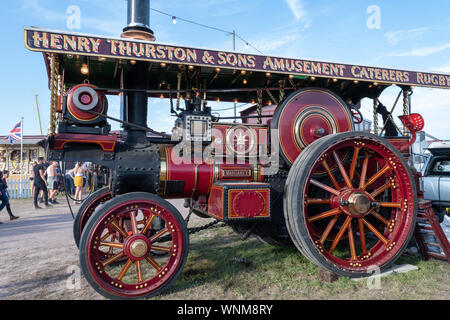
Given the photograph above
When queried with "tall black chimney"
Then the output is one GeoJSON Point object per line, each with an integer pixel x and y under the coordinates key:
{"type": "Point", "coordinates": [138, 20]}
{"type": "Point", "coordinates": [135, 74]}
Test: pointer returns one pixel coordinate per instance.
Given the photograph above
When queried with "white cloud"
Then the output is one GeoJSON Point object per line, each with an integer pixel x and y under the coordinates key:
{"type": "Point", "coordinates": [444, 69]}
{"type": "Point", "coordinates": [297, 9]}
{"type": "Point", "coordinates": [278, 41]}
{"type": "Point", "coordinates": [422, 52]}
{"type": "Point", "coordinates": [395, 37]}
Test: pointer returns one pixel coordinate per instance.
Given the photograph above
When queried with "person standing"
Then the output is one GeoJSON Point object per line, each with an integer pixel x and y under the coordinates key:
{"type": "Point", "coordinates": [52, 181]}
{"type": "Point", "coordinates": [32, 178]}
{"type": "Point", "coordinates": [78, 180]}
{"type": "Point", "coordinates": [40, 183]}
{"type": "Point", "coordinates": [69, 183]}
{"type": "Point", "coordinates": [5, 194]}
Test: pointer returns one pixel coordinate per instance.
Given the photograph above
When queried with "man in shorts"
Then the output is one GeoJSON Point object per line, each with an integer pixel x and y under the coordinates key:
{"type": "Point", "coordinates": [52, 180]}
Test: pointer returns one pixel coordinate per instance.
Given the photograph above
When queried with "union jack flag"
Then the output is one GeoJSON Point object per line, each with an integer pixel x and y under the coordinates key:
{"type": "Point", "coordinates": [15, 133]}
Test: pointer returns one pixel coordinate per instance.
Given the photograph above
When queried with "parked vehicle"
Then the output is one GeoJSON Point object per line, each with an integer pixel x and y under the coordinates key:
{"type": "Point", "coordinates": [436, 178]}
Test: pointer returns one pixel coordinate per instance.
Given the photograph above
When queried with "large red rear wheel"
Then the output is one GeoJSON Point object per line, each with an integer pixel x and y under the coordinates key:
{"type": "Point", "coordinates": [358, 217]}
{"type": "Point", "coordinates": [125, 224]}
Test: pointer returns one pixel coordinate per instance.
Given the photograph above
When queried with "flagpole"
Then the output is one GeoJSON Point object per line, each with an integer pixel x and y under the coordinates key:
{"type": "Point", "coordinates": [21, 157]}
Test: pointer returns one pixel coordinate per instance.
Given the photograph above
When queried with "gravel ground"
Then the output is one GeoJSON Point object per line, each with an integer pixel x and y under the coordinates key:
{"type": "Point", "coordinates": [39, 257]}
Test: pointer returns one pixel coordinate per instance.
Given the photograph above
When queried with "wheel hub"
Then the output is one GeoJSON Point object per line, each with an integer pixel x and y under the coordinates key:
{"type": "Point", "coordinates": [137, 247]}
{"type": "Point", "coordinates": [355, 202]}
{"type": "Point", "coordinates": [359, 204]}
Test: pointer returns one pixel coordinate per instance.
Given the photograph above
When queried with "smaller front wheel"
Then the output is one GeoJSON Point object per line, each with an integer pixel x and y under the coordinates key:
{"type": "Point", "coordinates": [123, 230]}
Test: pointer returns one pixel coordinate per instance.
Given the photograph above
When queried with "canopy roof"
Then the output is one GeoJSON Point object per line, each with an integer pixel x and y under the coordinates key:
{"type": "Point", "coordinates": [228, 76]}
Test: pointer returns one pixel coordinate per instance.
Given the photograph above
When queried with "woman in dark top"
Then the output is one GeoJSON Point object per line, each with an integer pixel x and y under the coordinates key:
{"type": "Point", "coordinates": [5, 195]}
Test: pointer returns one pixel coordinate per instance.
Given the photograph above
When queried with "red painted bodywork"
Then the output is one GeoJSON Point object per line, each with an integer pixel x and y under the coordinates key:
{"type": "Point", "coordinates": [238, 200]}
{"type": "Point", "coordinates": [106, 143]}
{"type": "Point", "coordinates": [306, 116]}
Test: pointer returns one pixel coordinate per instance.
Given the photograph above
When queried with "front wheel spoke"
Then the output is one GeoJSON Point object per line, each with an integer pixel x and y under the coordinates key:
{"type": "Point", "coordinates": [342, 170]}
{"type": "Point", "coordinates": [153, 263]}
{"type": "Point", "coordinates": [111, 244]}
{"type": "Point", "coordinates": [325, 214]}
{"type": "Point", "coordinates": [105, 236]}
{"type": "Point", "coordinates": [112, 259]}
{"type": "Point", "coordinates": [375, 231]}
{"type": "Point", "coordinates": [119, 229]}
{"type": "Point", "coordinates": [324, 187]}
{"type": "Point", "coordinates": [161, 248]}
{"type": "Point", "coordinates": [340, 234]}
{"type": "Point", "coordinates": [148, 224]}
{"type": "Point", "coordinates": [376, 176]}
{"type": "Point", "coordinates": [133, 222]}
{"type": "Point", "coordinates": [124, 270]}
{"type": "Point", "coordinates": [159, 234]}
{"type": "Point", "coordinates": [138, 271]}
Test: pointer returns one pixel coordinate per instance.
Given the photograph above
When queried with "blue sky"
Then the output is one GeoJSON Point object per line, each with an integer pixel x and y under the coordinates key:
{"type": "Point", "coordinates": [413, 35]}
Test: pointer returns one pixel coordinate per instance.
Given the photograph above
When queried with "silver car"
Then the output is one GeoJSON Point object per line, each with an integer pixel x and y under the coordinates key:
{"type": "Point", "coordinates": [436, 177]}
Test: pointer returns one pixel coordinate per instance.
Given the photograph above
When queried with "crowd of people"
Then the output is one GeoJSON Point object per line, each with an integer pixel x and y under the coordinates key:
{"type": "Point", "coordinates": [47, 181]}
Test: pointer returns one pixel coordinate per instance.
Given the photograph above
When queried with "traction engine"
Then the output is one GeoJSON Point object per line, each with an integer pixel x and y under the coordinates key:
{"type": "Point", "coordinates": [295, 172]}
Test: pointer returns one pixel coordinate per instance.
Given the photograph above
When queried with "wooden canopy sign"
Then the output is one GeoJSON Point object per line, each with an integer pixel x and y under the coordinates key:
{"type": "Point", "coordinates": [121, 48]}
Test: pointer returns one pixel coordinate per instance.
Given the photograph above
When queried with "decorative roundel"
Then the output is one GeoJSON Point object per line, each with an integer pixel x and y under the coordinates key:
{"type": "Point", "coordinates": [307, 115]}
{"type": "Point", "coordinates": [240, 139]}
{"type": "Point", "coordinates": [83, 98]}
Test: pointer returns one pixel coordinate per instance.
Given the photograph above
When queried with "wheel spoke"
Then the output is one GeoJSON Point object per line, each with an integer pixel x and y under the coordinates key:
{"type": "Point", "coordinates": [118, 228]}
{"type": "Point", "coordinates": [148, 224]}
{"type": "Point", "coordinates": [124, 270]}
{"type": "Point", "coordinates": [111, 244]}
{"type": "Point", "coordinates": [159, 234]}
{"type": "Point", "coordinates": [376, 176]}
{"type": "Point", "coordinates": [390, 204]}
{"type": "Point", "coordinates": [364, 171]}
{"type": "Point", "coordinates": [342, 170]}
{"type": "Point", "coordinates": [381, 189]}
{"type": "Point", "coordinates": [328, 229]}
{"type": "Point", "coordinates": [325, 214]}
{"type": "Point", "coordinates": [133, 222]}
{"type": "Point", "coordinates": [379, 217]}
{"type": "Point", "coordinates": [354, 163]}
{"type": "Point", "coordinates": [340, 234]}
{"type": "Point", "coordinates": [105, 236]}
{"type": "Point", "coordinates": [324, 187]}
{"type": "Point", "coordinates": [153, 263]}
{"type": "Point", "coordinates": [330, 174]}
{"type": "Point", "coordinates": [112, 259]}
{"type": "Point", "coordinates": [362, 236]}
{"type": "Point", "coordinates": [138, 271]}
{"type": "Point", "coordinates": [317, 201]}
{"type": "Point", "coordinates": [375, 231]}
{"type": "Point", "coordinates": [161, 248]}
{"type": "Point", "coordinates": [351, 241]}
